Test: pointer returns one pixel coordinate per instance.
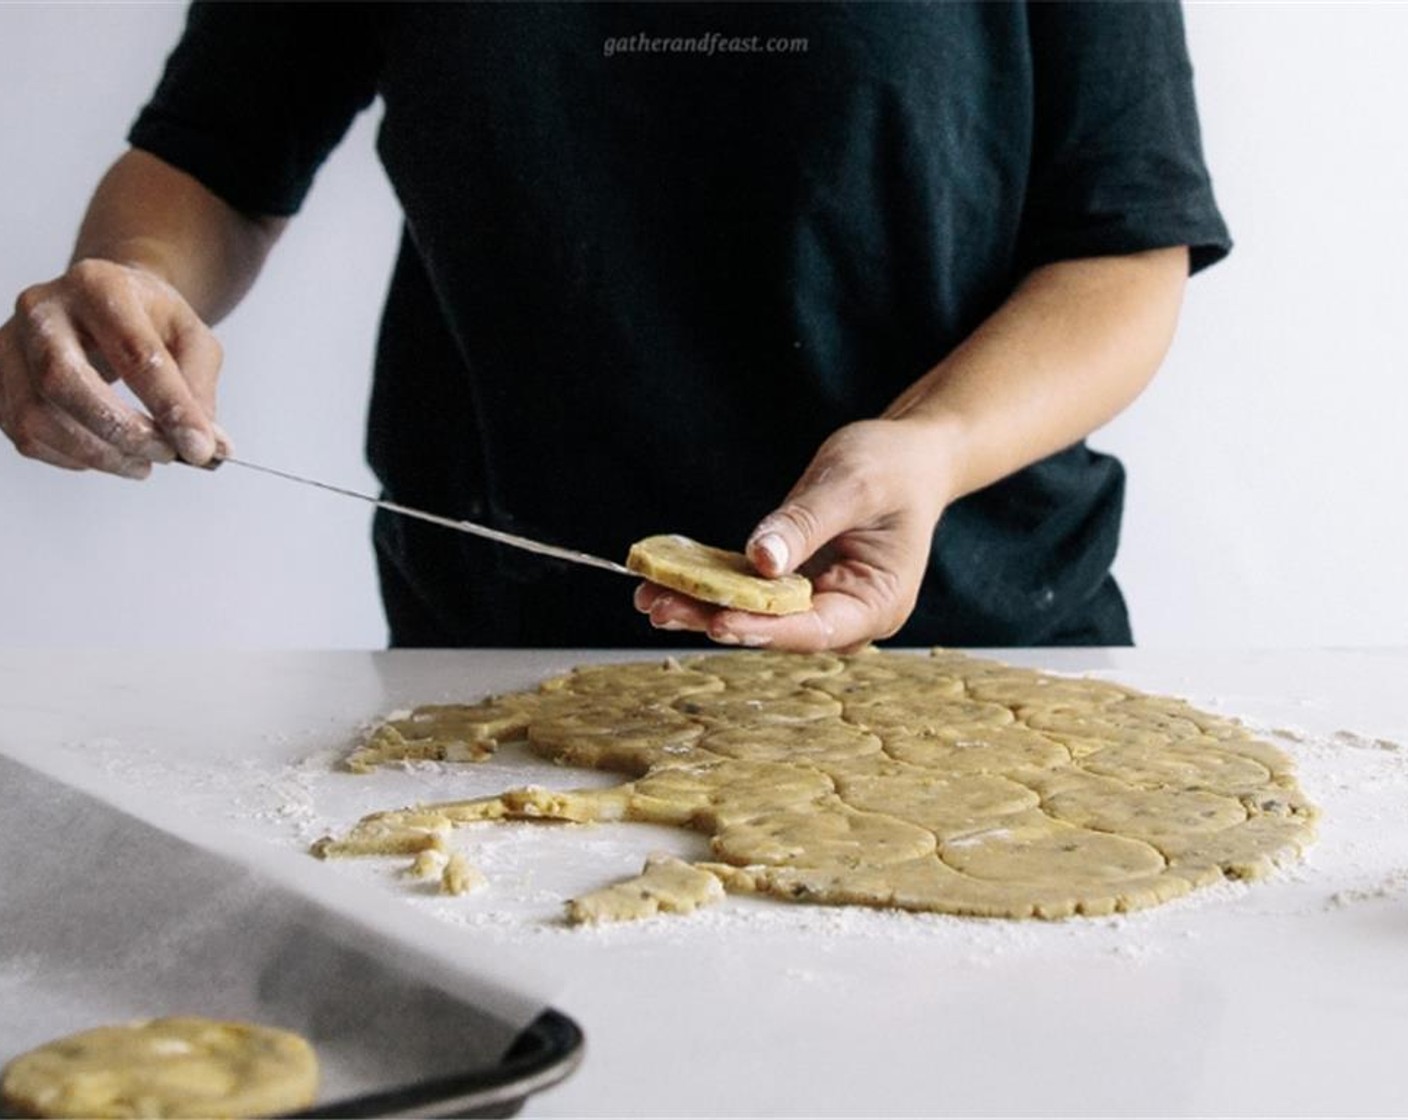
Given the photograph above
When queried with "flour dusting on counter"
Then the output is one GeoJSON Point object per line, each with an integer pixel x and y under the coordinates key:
{"type": "Point", "coordinates": [532, 867]}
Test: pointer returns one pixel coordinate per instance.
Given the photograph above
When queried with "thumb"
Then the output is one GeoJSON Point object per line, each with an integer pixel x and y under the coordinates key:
{"type": "Point", "coordinates": [813, 514]}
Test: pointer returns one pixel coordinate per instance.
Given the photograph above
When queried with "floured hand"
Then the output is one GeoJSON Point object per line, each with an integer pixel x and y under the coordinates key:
{"type": "Point", "coordinates": [859, 524]}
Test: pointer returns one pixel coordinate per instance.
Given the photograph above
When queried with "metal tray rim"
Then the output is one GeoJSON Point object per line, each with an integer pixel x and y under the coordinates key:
{"type": "Point", "coordinates": [545, 1053]}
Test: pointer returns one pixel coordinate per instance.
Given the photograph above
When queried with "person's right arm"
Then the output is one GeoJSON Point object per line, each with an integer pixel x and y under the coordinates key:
{"type": "Point", "coordinates": [158, 258]}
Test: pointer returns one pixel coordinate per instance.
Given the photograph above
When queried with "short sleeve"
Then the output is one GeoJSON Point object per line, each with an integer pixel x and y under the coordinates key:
{"type": "Point", "coordinates": [1117, 160]}
{"type": "Point", "coordinates": [255, 96]}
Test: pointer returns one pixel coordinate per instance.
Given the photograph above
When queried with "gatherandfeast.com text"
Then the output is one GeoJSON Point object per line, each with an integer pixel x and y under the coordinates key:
{"type": "Point", "coordinates": [708, 45]}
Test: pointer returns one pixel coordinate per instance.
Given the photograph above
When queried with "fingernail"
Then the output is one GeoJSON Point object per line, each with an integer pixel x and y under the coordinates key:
{"type": "Point", "coordinates": [134, 468]}
{"type": "Point", "coordinates": [756, 641]}
{"type": "Point", "coordinates": [669, 624]}
{"type": "Point", "coordinates": [157, 450]}
{"type": "Point", "coordinates": [194, 445]}
{"type": "Point", "coordinates": [726, 639]}
{"type": "Point", "coordinates": [224, 445]}
{"type": "Point", "coordinates": [775, 548]}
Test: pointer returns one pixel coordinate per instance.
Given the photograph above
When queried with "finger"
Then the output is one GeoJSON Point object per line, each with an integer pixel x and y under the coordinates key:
{"type": "Point", "coordinates": [837, 621]}
{"type": "Point", "coordinates": [120, 325]}
{"type": "Point", "coordinates": [39, 431]}
{"type": "Point", "coordinates": [825, 503]}
{"type": "Point", "coordinates": [224, 445]}
{"type": "Point", "coordinates": [62, 376]}
{"type": "Point", "coordinates": [806, 632]}
{"type": "Point", "coordinates": [199, 354]}
{"type": "Point", "coordinates": [854, 602]}
{"type": "Point", "coordinates": [671, 610]}
{"type": "Point", "coordinates": [43, 453]}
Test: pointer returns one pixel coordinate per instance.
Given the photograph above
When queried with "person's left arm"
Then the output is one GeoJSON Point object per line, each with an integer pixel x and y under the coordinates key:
{"type": "Point", "coordinates": [1075, 343]}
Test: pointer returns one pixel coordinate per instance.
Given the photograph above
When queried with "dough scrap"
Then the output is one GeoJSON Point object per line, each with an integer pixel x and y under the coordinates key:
{"type": "Point", "coordinates": [942, 783]}
{"type": "Point", "coordinates": [717, 576]}
{"type": "Point", "coordinates": [429, 864]}
{"type": "Point", "coordinates": [667, 885]}
{"type": "Point", "coordinates": [442, 732]}
{"type": "Point", "coordinates": [185, 1066]}
{"type": "Point", "coordinates": [459, 875]}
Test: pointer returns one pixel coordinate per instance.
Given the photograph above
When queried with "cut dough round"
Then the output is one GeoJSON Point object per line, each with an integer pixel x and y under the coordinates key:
{"type": "Point", "coordinates": [844, 838]}
{"type": "Point", "coordinates": [761, 706]}
{"type": "Point", "coordinates": [714, 793]}
{"type": "Point", "coordinates": [1106, 805]}
{"type": "Point", "coordinates": [754, 667]}
{"type": "Point", "coordinates": [816, 742]}
{"type": "Point", "coordinates": [1180, 766]}
{"type": "Point", "coordinates": [943, 803]}
{"type": "Point", "coordinates": [717, 576]}
{"type": "Point", "coordinates": [908, 706]}
{"type": "Point", "coordinates": [660, 681]}
{"type": "Point", "coordinates": [1037, 690]}
{"type": "Point", "coordinates": [977, 750]}
{"type": "Point", "coordinates": [1032, 848]}
{"type": "Point", "coordinates": [185, 1066]}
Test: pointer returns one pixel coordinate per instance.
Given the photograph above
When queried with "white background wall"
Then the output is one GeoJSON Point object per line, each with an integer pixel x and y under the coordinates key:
{"type": "Point", "coordinates": [1268, 477]}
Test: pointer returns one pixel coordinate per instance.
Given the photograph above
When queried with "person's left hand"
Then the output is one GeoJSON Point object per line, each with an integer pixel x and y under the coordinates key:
{"type": "Point", "coordinates": [859, 523]}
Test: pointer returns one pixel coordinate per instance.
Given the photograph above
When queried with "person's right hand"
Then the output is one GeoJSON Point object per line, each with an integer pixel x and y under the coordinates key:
{"type": "Point", "coordinates": [68, 344]}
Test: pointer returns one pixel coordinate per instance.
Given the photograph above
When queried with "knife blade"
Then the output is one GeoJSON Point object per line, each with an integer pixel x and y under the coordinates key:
{"type": "Point", "coordinates": [511, 539]}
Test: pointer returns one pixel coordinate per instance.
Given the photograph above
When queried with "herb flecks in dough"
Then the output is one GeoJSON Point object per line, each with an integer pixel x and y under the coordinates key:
{"type": "Point", "coordinates": [443, 732]}
{"type": "Point", "coordinates": [666, 886]}
{"type": "Point", "coordinates": [716, 575]}
{"type": "Point", "coordinates": [943, 783]}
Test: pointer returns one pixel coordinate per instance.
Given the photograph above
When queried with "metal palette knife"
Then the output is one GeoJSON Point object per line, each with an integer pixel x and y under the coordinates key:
{"type": "Point", "coordinates": [511, 539]}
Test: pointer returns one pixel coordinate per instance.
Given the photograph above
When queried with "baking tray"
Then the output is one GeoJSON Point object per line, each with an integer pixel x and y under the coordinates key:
{"type": "Point", "coordinates": [541, 1056]}
{"type": "Point", "coordinates": [105, 917]}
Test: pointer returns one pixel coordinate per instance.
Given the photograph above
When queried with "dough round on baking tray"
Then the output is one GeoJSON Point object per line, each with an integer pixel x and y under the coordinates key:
{"type": "Point", "coordinates": [180, 1066]}
{"type": "Point", "coordinates": [717, 576]}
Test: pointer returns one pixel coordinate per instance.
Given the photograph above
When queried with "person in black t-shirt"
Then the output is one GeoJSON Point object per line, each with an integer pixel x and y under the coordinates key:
{"type": "Point", "coordinates": [843, 284]}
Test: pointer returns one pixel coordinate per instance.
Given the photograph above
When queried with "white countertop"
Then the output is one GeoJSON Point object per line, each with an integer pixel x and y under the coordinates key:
{"type": "Point", "coordinates": [1288, 997]}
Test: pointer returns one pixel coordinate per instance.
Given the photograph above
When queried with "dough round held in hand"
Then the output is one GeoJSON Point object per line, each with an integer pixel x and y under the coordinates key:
{"type": "Point", "coordinates": [717, 576]}
{"type": "Point", "coordinates": [181, 1066]}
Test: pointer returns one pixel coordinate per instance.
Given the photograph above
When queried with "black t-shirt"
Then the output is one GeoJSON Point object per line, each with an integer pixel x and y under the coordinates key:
{"type": "Point", "coordinates": [655, 253]}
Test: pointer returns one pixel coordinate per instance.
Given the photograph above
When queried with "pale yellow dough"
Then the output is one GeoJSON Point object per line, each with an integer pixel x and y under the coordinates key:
{"type": "Point", "coordinates": [666, 886]}
{"type": "Point", "coordinates": [165, 1067]}
{"type": "Point", "coordinates": [717, 576]}
{"type": "Point", "coordinates": [459, 876]}
{"type": "Point", "coordinates": [441, 732]}
{"type": "Point", "coordinates": [943, 783]}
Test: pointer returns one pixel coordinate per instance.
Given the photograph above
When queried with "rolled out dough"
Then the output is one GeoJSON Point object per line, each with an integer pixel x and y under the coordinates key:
{"type": "Point", "coordinates": [943, 783]}
{"type": "Point", "coordinates": [184, 1066]}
